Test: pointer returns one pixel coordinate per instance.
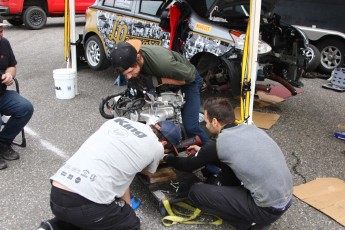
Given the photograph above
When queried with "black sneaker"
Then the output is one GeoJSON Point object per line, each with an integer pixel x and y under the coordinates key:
{"type": "Point", "coordinates": [7, 152]}
{"type": "Point", "coordinates": [45, 226]}
{"type": "Point", "coordinates": [261, 227]}
{"type": "Point", "coordinates": [3, 164]}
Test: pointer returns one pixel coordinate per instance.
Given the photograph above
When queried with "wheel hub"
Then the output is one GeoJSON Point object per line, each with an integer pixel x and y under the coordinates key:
{"type": "Point", "coordinates": [331, 56]}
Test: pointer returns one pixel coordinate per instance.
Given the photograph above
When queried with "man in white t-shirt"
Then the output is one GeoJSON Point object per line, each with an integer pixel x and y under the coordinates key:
{"type": "Point", "coordinates": [91, 190]}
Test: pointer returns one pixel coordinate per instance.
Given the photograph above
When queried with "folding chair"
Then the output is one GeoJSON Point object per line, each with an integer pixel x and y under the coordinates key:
{"type": "Point", "coordinates": [21, 143]}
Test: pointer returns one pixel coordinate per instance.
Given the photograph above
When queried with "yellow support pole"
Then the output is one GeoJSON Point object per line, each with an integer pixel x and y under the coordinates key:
{"type": "Point", "coordinates": [249, 63]}
{"type": "Point", "coordinates": [245, 79]}
{"type": "Point", "coordinates": [66, 32]}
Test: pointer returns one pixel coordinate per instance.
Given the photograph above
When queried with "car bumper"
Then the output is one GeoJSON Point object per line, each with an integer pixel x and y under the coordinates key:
{"type": "Point", "coordinates": [4, 10]}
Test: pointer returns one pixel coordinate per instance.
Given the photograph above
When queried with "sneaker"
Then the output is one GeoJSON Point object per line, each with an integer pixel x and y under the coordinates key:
{"type": "Point", "coordinates": [261, 227]}
{"type": "Point", "coordinates": [3, 164]}
{"type": "Point", "coordinates": [45, 226]}
{"type": "Point", "coordinates": [7, 152]}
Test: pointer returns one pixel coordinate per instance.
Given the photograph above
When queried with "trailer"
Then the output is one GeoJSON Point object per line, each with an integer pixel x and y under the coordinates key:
{"type": "Point", "coordinates": [323, 23]}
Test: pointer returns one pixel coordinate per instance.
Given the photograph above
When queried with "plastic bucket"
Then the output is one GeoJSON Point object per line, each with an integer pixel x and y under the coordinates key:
{"type": "Point", "coordinates": [64, 83]}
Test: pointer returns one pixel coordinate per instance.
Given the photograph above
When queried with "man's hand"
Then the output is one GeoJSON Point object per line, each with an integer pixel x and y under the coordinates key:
{"type": "Point", "coordinates": [193, 149]}
{"type": "Point", "coordinates": [7, 79]}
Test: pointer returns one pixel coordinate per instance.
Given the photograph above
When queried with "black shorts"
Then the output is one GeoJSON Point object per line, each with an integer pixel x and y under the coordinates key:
{"type": "Point", "coordinates": [73, 211]}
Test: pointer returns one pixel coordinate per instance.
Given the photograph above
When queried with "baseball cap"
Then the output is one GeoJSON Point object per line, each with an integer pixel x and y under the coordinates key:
{"type": "Point", "coordinates": [171, 132]}
{"type": "Point", "coordinates": [2, 23]}
{"type": "Point", "coordinates": [124, 54]}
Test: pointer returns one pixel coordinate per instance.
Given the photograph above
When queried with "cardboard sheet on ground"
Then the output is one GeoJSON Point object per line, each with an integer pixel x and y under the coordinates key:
{"type": "Point", "coordinates": [265, 99]}
{"type": "Point", "coordinates": [276, 95]}
{"type": "Point", "coordinates": [326, 195]}
{"type": "Point", "coordinates": [261, 120]}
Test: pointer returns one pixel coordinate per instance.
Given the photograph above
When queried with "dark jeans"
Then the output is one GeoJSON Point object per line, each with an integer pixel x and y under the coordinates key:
{"type": "Point", "coordinates": [191, 109]}
{"type": "Point", "coordinates": [234, 204]}
{"type": "Point", "coordinates": [20, 111]}
{"type": "Point", "coordinates": [74, 212]}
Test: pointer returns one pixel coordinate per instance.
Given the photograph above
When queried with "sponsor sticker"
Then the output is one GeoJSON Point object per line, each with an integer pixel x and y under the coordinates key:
{"type": "Point", "coordinates": [202, 27]}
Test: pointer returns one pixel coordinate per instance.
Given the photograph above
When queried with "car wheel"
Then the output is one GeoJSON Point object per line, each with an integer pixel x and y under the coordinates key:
{"type": "Point", "coordinates": [313, 57]}
{"type": "Point", "coordinates": [332, 54]}
{"type": "Point", "coordinates": [35, 18]}
{"type": "Point", "coordinates": [15, 21]}
{"type": "Point", "coordinates": [95, 55]}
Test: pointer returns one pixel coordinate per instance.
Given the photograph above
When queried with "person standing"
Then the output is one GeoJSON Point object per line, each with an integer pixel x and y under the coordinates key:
{"type": "Point", "coordinates": [91, 190]}
{"type": "Point", "coordinates": [161, 66]}
{"type": "Point", "coordinates": [259, 188]}
{"type": "Point", "coordinates": [12, 104]}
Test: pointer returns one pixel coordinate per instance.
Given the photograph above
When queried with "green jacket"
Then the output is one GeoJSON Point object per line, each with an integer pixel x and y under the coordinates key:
{"type": "Point", "coordinates": [164, 63]}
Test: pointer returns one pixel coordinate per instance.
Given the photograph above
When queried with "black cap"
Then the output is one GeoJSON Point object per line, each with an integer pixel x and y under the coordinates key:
{"type": "Point", "coordinates": [171, 132]}
{"type": "Point", "coordinates": [124, 54]}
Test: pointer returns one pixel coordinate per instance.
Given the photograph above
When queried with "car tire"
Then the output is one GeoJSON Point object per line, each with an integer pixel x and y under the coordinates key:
{"type": "Point", "coordinates": [332, 55]}
{"type": "Point", "coordinates": [35, 18]}
{"type": "Point", "coordinates": [95, 55]}
{"type": "Point", "coordinates": [15, 21]}
{"type": "Point", "coordinates": [313, 58]}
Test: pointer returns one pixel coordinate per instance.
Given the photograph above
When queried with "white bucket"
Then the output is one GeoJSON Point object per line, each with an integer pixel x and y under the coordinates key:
{"type": "Point", "coordinates": [64, 83]}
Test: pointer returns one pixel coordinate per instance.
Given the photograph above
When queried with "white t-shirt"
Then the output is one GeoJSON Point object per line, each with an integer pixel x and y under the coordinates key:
{"type": "Point", "coordinates": [107, 162]}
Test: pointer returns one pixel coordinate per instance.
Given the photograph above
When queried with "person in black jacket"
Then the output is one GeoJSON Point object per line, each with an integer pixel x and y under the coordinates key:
{"type": "Point", "coordinates": [12, 104]}
{"type": "Point", "coordinates": [206, 159]}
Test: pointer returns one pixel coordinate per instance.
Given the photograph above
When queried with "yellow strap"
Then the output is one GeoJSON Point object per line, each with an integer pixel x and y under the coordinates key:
{"type": "Point", "coordinates": [173, 219]}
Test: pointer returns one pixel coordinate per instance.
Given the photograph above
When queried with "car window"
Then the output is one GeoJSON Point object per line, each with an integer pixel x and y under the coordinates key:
{"type": "Point", "coordinates": [150, 7]}
{"type": "Point", "coordinates": [122, 4]}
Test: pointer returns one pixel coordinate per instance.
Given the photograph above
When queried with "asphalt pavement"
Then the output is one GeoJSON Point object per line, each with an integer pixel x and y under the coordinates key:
{"type": "Point", "coordinates": [58, 127]}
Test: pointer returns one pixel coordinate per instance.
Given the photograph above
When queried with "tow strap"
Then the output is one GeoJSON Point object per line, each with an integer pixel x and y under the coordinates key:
{"type": "Point", "coordinates": [176, 217]}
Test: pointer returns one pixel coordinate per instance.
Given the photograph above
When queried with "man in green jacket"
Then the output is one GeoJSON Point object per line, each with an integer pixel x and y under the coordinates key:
{"type": "Point", "coordinates": [164, 67]}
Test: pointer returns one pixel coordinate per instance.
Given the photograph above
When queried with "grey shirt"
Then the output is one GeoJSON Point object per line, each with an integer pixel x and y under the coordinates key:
{"type": "Point", "coordinates": [258, 162]}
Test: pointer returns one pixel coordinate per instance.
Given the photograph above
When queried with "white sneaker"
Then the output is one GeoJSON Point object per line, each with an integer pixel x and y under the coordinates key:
{"type": "Point", "coordinates": [45, 226]}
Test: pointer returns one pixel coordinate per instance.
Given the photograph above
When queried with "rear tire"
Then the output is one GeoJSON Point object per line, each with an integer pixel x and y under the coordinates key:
{"type": "Point", "coordinates": [313, 58]}
{"type": "Point", "coordinates": [95, 55]}
{"type": "Point", "coordinates": [332, 55]}
{"type": "Point", "coordinates": [35, 18]}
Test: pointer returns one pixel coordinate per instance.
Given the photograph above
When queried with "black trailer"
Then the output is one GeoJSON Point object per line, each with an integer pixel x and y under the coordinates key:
{"type": "Point", "coordinates": [323, 23]}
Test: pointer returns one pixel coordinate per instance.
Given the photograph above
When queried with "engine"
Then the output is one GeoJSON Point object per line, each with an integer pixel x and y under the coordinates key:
{"type": "Point", "coordinates": [152, 108]}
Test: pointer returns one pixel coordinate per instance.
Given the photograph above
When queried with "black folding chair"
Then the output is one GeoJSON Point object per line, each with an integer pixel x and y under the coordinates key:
{"type": "Point", "coordinates": [21, 142]}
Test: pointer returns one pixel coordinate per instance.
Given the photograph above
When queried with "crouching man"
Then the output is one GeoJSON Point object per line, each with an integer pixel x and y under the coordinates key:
{"type": "Point", "coordinates": [91, 190]}
{"type": "Point", "coordinates": [259, 188]}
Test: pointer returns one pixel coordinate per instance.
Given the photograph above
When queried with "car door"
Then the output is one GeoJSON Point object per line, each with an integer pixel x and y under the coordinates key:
{"type": "Point", "coordinates": [118, 20]}
{"type": "Point", "coordinates": [132, 20]}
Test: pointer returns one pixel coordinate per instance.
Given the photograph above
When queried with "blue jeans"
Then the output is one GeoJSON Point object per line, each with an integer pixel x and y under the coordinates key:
{"type": "Point", "coordinates": [20, 111]}
{"type": "Point", "coordinates": [191, 109]}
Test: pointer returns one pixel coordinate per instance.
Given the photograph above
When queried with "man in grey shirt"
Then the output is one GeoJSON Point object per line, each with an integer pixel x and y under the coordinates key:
{"type": "Point", "coordinates": [266, 186]}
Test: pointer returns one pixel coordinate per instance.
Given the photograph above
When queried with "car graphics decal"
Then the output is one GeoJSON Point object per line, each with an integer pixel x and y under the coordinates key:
{"type": "Point", "coordinates": [197, 43]}
{"type": "Point", "coordinates": [114, 28]}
